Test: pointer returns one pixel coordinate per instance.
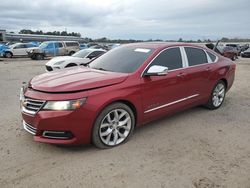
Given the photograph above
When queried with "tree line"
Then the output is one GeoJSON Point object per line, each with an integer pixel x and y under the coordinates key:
{"type": "Point", "coordinates": [40, 32]}
{"type": "Point", "coordinates": [121, 41]}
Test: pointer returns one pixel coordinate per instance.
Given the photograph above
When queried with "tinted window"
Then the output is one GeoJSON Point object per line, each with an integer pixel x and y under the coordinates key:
{"type": "Point", "coordinates": [96, 53]}
{"type": "Point", "coordinates": [60, 45]}
{"type": "Point", "coordinates": [195, 56]}
{"type": "Point", "coordinates": [212, 56]}
{"type": "Point", "coordinates": [50, 45]}
{"type": "Point", "coordinates": [72, 44]}
{"type": "Point", "coordinates": [122, 59]}
{"type": "Point", "coordinates": [20, 46]}
{"type": "Point", "coordinates": [170, 58]}
{"type": "Point", "coordinates": [81, 53]}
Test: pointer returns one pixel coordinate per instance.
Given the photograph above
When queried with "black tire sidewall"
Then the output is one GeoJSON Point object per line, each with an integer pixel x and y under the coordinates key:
{"type": "Point", "coordinates": [96, 140]}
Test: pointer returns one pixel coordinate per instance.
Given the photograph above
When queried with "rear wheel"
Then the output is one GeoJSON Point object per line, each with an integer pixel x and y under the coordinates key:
{"type": "Point", "coordinates": [113, 126]}
{"type": "Point", "coordinates": [71, 53]}
{"type": "Point", "coordinates": [217, 96]}
{"type": "Point", "coordinates": [234, 57]}
{"type": "Point", "coordinates": [39, 57]}
{"type": "Point", "coordinates": [8, 54]}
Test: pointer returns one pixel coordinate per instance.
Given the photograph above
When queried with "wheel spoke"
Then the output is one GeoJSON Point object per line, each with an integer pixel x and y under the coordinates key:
{"type": "Point", "coordinates": [116, 118]}
{"type": "Point", "coordinates": [106, 133]}
{"type": "Point", "coordinates": [122, 115]}
{"type": "Point", "coordinates": [115, 133]}
{"type": "Point", "coordinates": [105, 125]}
{"type": "Point", "coordinates": [124, 122]}
{"type": "Point", "coordinates": [107, 140]}
{"type": "Point", "coordinates": [221, 92]}
{"type": "Point", "coordinates": [109, 118]}
{"type": "Point", "coordinates": [120, 134]}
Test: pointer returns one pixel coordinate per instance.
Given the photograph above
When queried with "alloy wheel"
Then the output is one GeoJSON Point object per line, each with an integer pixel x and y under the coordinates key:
{"type": "Point", "coordinates": [115, 127]}
{"type": "Point", "coordinates": [218, 95]}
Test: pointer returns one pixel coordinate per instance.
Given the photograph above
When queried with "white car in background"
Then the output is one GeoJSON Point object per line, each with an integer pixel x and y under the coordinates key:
{"type": "Point", "coordinates": [17, 49]}
{"type": "Point", "coordinates": [82, 57]}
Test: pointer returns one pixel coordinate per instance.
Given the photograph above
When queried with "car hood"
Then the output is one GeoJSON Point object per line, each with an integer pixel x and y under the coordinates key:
{"type": "Point", "coordinates": [68, 59]}
{"type": "Point", "coordinates": [33, 48]}
{"type": "Point", "coordinates": [75, 79]}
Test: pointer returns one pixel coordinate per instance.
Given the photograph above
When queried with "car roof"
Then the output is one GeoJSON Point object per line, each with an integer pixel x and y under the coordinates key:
{"type": "Point", "coordinates": [161, 45]}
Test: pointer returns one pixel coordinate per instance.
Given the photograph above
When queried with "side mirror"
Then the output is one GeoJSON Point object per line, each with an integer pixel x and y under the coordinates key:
{"type": "Point", "coordinates": [156, 70]}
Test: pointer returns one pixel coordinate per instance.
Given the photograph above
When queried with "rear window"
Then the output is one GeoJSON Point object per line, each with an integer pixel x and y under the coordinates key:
{"type": "Point", "coordinates": [195, 56]}
{"type": "Point", "coordinates": [71, 44]}
{"type": "Point", "coordinates": [212, 56]}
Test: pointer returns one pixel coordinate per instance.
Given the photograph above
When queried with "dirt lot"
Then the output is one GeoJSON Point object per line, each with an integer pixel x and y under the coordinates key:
{"type": "Point", "coordinates": [196, 148]}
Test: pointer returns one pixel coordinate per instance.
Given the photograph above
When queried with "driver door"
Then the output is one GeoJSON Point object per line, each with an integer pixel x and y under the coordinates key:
{"type": "Point", "coordinates": [163, 94]}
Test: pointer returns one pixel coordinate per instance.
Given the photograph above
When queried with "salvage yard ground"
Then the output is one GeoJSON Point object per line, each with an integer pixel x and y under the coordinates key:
{"type": "Point", "coordinates": [195, 148]}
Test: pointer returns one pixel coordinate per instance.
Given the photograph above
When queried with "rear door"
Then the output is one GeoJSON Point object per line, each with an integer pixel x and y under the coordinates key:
{"type": "Point", "coordinates": [200, 67]}
{"type": "Point", "coordinates": [163, 94]}
{"type": "Point", "coordinates": [61, 50]}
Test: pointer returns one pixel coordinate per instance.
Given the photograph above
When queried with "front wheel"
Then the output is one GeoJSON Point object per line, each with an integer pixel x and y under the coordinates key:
{"type": "Point", "coordinates": [113, 126]}
{"type": "Point", "coordinates": [218, 95]}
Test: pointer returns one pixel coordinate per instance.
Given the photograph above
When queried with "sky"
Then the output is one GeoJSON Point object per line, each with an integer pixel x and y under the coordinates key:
{"type": "Point", "coordinates": [131, 19]}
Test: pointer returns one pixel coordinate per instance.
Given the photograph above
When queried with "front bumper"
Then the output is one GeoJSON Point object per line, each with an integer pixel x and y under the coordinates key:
{"type": "Point", "coordinates": [44, 124]}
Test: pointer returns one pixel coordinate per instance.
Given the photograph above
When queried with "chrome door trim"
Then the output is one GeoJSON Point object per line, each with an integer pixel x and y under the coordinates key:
{"type": "Point", "coordinates": [171, 103]}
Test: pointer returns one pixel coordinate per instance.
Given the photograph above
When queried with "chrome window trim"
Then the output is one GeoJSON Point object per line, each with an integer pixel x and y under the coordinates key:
{"type": "Point", "coordinates": [171, 103]}
{"type": "Point", "coordinates": [159, 54]}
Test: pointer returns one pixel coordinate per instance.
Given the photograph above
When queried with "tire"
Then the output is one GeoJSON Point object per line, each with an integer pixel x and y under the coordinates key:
{"type": "Point", "coordinates": [71, 53]}
{"type": "Point", "coordinates": [8, 54]}
{"type": "Point", "coordinates": [234, 57]}
{"type": "Point", "coordinates": [39, 57]}
{"type": "Point", "coordinates": [71, 65]}
{"type": "Point", "coordinates": [217, 96]}
{"type": "Point", "coordinates": [108, 131]}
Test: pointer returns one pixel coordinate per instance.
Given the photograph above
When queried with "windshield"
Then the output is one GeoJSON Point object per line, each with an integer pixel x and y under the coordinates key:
{"type": "Point", "coordinates": [81, 53]}
{"type": "Point", "coordinates": [43, 45]}
{"type": "Point", "coordinates": [122, 59]}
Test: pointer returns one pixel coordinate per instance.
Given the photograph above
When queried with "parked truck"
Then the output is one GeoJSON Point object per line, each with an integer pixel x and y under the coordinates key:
{"type": "Point", "coordinates": [53, 48]}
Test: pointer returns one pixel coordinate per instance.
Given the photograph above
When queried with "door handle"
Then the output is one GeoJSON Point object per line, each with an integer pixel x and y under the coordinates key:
{"type": "Point", "coordinates": [182, 74]}
{"type": "Point", "coordinates": [208, 68]}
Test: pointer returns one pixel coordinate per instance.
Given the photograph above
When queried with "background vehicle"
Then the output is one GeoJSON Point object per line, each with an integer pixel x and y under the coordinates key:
{"type": "Point", "coordinates": [53, 48]}
{"type": "Point", "coordinates": [84, 46]}
{"type": "Point", "coordinates": [236, 47]}
{"type": "Point", "coordinates": [125, 87]}
{"type": "Point", "coordinates": [246, 53]}
{"type": "Point", "coordinates": [226, 51]}
{"type": "Point", "coordinates": [81, 57]}
{"type": "Point", "coordinates": [2, 48]}
{"type": "Point", "coordinates": [17, 49]}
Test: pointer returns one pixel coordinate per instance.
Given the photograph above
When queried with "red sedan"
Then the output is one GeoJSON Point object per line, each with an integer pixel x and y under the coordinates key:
{"type": "Point", "coordinates": [128, 86]}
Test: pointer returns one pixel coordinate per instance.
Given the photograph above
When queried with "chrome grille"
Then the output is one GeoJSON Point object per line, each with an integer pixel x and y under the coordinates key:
{"type": "Point", "coordinates": [32, 106]}
{"type": "Point", "coordinates": [29, 128]}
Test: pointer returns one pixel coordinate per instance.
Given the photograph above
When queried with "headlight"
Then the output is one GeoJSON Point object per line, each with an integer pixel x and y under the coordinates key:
{"type": "Point", "coordinates": [64, 105]}
{"type": "Point", "coordinates": [59, 62]}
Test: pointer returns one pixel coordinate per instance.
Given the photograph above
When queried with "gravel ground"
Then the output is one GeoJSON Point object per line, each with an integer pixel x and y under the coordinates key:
{"type": "Point", "coordinates": [197, 148]}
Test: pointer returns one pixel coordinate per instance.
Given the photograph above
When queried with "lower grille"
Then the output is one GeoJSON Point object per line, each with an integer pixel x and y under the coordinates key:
{"type": "Point", "coordinates": [32, 130]}
{"type": "Point", "coordinates": [49, 68]}
{"type": "Point", "coordinates": [57, 134]}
